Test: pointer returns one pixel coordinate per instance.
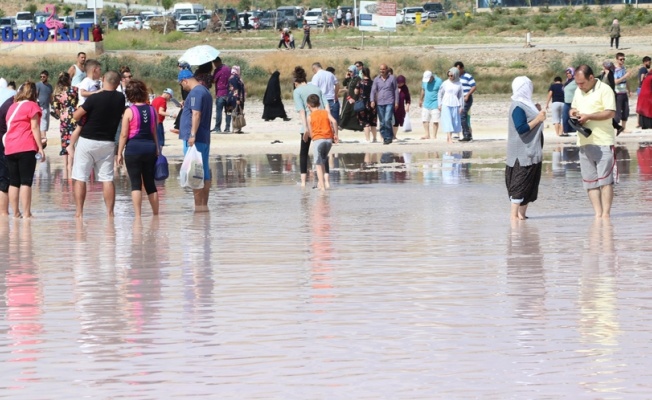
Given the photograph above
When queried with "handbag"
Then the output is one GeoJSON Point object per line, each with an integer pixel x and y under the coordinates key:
{"type": "Point", "coordinates": [359, 105]}
{"type": "Point", "coordinates": [161, 169]}
{"type": "Point", "coordinates": [407, 124]}
{"type": "Point", "coordinates": [238, 119]}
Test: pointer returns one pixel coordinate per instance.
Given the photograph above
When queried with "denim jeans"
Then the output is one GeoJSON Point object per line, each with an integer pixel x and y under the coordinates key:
{"type": "Point", "coordinates": [220, 105]}
{"type": "Point", "coordinates": [160, 134]}
{"type": "Point", "coordinates": [385, 114]}
{"type": "Point", "coordinates": [466, 122]}
{"type": "Point", "coordinates": [335, 110]}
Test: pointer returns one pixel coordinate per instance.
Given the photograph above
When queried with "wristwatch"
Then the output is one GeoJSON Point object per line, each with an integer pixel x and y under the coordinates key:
{"type": "Point", "coordinates": [192, 136]}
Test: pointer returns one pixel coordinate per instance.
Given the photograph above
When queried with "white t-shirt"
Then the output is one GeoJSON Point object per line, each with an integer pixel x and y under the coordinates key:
{"type": "Point", "coordinates": [326, 82]}
{"type": "Point", "coordinates": [88, 85]}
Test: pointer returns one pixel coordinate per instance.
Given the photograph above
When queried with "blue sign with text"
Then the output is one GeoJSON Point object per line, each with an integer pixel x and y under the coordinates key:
{"type": "Point", "coordinates": [42, 33]}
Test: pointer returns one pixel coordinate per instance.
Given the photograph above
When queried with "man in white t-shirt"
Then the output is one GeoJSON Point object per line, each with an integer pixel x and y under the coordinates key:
{"type": "Point", "coordinates": [327, 83]}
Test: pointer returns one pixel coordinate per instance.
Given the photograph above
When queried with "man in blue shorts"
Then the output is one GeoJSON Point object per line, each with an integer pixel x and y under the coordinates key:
{"type": "Point", "coordinates": [195, 129]}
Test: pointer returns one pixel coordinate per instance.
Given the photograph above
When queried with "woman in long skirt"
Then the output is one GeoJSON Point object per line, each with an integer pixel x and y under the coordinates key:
{"type": "Point", "coordinates": [451, 104]}
{"type": "Point", "coordinates": [524, 148]}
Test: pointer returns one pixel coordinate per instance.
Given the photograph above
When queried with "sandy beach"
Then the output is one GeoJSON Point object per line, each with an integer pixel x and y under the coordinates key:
{"type": "Point", "coordinates": [488, 118]}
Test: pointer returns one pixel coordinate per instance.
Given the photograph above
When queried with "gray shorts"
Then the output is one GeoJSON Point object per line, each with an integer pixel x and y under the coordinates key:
{"type": "Point", "coordinates": [93, 154]}
{"type": "Point", "coordinates": [597, 165]}
{"type": "Point", "coordinates": [45, 119]}
{"type": "Point", "coordinates": [557, 108]}
{"type": "Point", "coordinates": [321, 148]}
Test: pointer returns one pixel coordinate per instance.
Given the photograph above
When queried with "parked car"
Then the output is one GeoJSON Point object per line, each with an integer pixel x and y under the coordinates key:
{"type": "Point", "coordinates": [314, 17]}
{"type": "Point", "coordinates": [287, 17]}
{"type": "Point", "coordinates": [130, 22]}
{"type": "Point", "coordinates": [146, 25]}
{"type": "Point", "coordinates": [409, 14]}
{"type": "Point", "coordinates": [84, 17]}
{"type": "Point", "coordinates": [204, 19]}
{"type": "Point", "coordinates": [24, 20]}
{"type": "Point", "coordinates": [68, 21]}
{"type": "Point", "coordinates": [189, 23]}
{"type": "Point", "coordinates": [254, 19]}
{"type": "Point", "coordinates": [230, 18]}
{"type": "Point", "coordinates": [267, 19]}
{"type": "Point", "coordinates": [8, 22]}
{"type": "Point", "coordinates": [435, 10]}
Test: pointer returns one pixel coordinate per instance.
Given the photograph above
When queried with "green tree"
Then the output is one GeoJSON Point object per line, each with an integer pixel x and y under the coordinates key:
{"type": "Point", "coordinates": [67, 10]}
{"type": "Point", "coordinates": [333, 3]}
{"type": "Point", "coordinates": [2, 13]}
{"type": "Point", "coordinates": [244, 5]}
{"type": "Point", "coordinates": [31, 8]}
{"type": "Point", "coordinates": [167, 4]}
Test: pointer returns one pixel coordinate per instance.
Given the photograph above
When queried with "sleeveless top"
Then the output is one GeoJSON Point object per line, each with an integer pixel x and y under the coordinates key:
{"type": "Point", "coordinates": [141, 131]}
{"type": "Point", "coordinates": [79, 76]}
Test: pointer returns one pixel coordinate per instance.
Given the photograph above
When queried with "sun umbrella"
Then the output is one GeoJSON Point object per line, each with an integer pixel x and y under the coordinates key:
{"type": "Point", "coordinates": [199, 55]}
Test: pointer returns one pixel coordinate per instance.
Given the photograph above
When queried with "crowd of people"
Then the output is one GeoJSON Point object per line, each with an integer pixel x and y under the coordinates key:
{"type": "Point", "coordinates": [110, 119]}
{"type": "Point", "coordinates": [107, 119]}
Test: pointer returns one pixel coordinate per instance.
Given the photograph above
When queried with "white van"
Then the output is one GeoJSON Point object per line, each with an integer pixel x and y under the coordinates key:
{"type": "Point", "coordinates": [187, 8]}
{"type": "Point", "coordinates": [24, 20]}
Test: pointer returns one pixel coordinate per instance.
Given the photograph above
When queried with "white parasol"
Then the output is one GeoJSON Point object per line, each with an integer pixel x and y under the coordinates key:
{"type": "Point", "coordinates": [199, 55]}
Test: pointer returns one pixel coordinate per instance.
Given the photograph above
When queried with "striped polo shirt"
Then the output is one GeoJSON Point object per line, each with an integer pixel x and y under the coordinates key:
{"type": "Point", "coordinates": [467, 82]}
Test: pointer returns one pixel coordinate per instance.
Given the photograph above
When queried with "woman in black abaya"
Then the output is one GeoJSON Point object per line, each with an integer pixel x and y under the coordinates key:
{"type": "Point", "coordinates": [272, 99]}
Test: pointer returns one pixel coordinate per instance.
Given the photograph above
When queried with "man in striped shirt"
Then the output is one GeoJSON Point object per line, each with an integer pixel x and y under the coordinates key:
{"type": "Point", "coordinates": [468, 85]}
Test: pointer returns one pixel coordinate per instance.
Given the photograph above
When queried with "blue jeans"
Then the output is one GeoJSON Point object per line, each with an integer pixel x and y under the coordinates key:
{"type": "Point", "coordinates": [466, 120]}
{"type": "Point", "coordinates": [160, 134]}
{"type": "Point", "coordinates": [385, 114]}
{"type": "Point", "coordinates": [220, 105]}
{"type": "Point", "coordinates": [335, 110]}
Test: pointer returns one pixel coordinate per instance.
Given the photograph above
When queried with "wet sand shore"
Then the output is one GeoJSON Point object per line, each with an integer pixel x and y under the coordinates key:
{"type": "Point", "coordinates": [488, 119]}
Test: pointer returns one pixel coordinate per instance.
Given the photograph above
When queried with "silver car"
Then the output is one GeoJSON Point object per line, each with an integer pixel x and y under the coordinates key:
{"type": "Point", "coordinates": [189, 23]}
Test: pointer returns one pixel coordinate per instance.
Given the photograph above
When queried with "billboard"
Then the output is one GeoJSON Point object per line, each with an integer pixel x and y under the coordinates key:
{"type": "Point", "coordinates": [377, 16]}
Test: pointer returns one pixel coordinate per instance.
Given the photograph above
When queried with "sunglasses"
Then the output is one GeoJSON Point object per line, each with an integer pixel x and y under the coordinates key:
{"type": "Point", "coordinates": [127, 76]}
{"type": "Point", "coordinates": [621, 59]}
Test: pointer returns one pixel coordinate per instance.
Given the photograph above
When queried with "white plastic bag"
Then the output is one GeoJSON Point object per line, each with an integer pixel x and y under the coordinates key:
{"type": "Point", "coordinates": [192, 170]}
{"type": "Point", "coordinates": [407, 124]}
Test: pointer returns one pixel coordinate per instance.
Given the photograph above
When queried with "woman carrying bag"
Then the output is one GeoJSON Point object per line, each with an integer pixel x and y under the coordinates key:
{"type": "Point", "coordinates": [139, 143]}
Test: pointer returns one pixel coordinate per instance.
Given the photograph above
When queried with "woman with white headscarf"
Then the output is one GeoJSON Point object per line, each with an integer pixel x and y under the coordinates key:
{"type": "Point", "coordinates": [524, 148]}
{"type": "Point", "coordinates": [451, 104]}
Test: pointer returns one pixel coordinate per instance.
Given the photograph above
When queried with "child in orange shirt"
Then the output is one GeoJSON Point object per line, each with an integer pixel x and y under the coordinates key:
{"type": "Point", "coordinates": [322, 131]}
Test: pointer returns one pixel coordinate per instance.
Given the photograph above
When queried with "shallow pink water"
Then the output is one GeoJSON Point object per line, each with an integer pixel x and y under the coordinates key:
{"type": "Point", "coordinates": [406, 281]}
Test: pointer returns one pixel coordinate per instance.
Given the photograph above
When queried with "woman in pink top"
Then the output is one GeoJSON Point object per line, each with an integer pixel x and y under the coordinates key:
{"type": "Point", "coordinates": [22, 146]}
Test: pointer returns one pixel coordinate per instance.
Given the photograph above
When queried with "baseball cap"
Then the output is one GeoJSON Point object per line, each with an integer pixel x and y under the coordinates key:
{"type": "Point", "coordinates": [169, 91]}
{"type": "Point", "coordinates": [426, 76]}
{"type": "Point", "coordinates": [184, 74]}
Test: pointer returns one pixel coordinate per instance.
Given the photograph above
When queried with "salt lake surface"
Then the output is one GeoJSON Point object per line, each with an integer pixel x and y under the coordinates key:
{"type": "Point", "coordinates": [405, 281]}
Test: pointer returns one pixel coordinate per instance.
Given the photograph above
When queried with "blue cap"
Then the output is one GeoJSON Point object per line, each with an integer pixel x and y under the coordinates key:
{"type": "Point", "coordinates": [184, 74]}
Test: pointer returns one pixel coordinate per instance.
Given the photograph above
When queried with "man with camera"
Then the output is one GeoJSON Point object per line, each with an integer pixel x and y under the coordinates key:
{"type": "Point", "coordinates": [593, 107]}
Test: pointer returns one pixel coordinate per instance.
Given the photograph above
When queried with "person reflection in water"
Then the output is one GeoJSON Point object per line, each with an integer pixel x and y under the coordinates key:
{"type": "Point", "coordinates": [524, 148]}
